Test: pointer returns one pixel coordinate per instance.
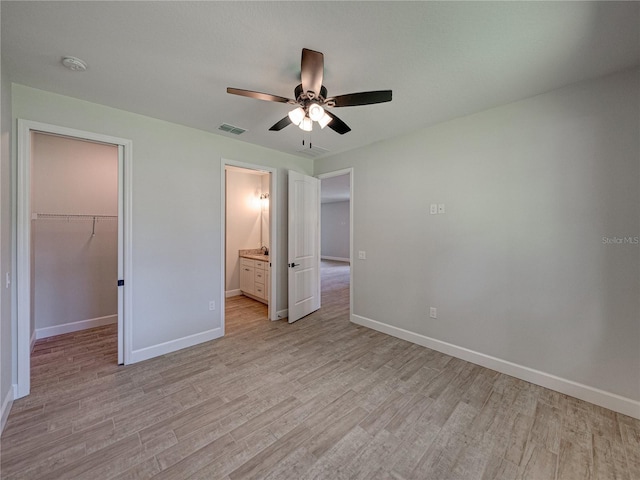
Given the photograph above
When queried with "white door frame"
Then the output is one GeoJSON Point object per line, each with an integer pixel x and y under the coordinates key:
{"type": "Point", "coordinates": [273, 235]}
{"type": "Point", "coordinates": [338, 173]}
{"type": "Point", "coordinates": [23, 246]}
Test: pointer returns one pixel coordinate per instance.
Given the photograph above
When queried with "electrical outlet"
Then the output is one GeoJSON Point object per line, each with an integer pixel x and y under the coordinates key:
{"type": "Point", "coordinates": [433, 312]}
{"type": "Point", "coordinates": [212, 305]}
{"type": "Point", "coordinates": [433, 209]}
{"type": "Point", "coordinates": [441, 208]}
{"type": "Point", "coordinates": [362, 255]}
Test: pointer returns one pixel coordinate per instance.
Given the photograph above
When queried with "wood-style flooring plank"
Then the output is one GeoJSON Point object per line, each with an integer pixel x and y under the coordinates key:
{"type": "Point", "coordinates": [320, 399]}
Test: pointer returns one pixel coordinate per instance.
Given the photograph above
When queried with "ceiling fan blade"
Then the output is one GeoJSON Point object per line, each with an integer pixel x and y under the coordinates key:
{"type": "Point", "coordinates": [361, 98]}
{"type": "Point", "coordinates": [337, 125]}
{"type": "Point", "coordinates": [281, 124]}
{"type": "Point", "coordinates": [260, 96]}
{"type": "Point", "coordinates": [311, 71]}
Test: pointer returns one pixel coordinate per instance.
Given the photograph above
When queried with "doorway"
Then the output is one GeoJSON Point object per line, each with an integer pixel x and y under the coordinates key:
{"type": "Point", "coordinates": [249, 237]}
{"type": "Point", "coordinates": [48, 218]}
{"type": "Point", "coordinates": [74, 229]}
{"type": "Point", "coordinates": [336, 234]}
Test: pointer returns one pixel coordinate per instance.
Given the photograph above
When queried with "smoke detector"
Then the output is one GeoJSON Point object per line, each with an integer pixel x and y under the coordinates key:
{"type": "Point", "coordinates": [75, 64]}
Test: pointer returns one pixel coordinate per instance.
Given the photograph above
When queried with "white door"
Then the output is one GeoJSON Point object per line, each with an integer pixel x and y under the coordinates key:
{"type": "Point", "coordinates": [304, 245]}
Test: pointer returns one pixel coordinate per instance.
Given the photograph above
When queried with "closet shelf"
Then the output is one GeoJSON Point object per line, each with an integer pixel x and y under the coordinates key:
{"type": "Point", "coordinates": [72, 216]}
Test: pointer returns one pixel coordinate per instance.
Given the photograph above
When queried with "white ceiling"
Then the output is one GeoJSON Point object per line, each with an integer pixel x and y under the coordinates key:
{"type": "Point", "coordinates": [174, 60]}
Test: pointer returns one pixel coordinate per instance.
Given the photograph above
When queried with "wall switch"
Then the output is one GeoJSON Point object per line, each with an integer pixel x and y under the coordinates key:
{"type": "Point", "coordinates": [362, 255]}
{"type": "Point", "coordinates": [441, 208]}
{"type": "Point", "coordinates": [433, 312]}
{"type": "Point", "coordinates": [433, 209]}
{"type": "Point", "coordinates": [212, 305]}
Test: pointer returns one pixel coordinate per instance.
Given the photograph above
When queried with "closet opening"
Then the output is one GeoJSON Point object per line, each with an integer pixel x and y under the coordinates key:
{"type": "Point", "coordinates": [73, 267]}
{"type": "Point", "coordinates": [74, 250]}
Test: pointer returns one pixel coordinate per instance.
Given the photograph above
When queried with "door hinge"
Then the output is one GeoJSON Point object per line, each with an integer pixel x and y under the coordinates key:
{"type": "Point", "coordinates": [120, 283]}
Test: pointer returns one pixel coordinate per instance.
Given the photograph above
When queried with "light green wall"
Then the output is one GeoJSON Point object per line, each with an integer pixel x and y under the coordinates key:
{"type": "Point", "coordinates": [6, 339]}
{"type": "Point", "coordinates": [516, 267]}
{"type": "Point", "coordinates": [176, 210]}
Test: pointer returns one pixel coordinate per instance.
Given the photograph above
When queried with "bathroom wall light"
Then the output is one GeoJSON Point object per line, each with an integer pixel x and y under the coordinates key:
{"type": "Point", "coordinates": [264, 203]}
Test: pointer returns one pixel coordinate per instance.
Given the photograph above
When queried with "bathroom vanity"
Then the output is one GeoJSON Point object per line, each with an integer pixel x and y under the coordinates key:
{"type": "Point", "coordinates": [254, 275]}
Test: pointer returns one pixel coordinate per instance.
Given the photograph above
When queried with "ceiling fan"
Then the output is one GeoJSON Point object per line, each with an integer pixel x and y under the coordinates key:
{"type": "Point", "coordinates": [311, 98]}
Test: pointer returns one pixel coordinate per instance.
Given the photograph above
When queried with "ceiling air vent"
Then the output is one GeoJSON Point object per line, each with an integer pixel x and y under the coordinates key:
{"type": "Point", "coordinates": [313, 152]}
{"type": "Point", "coordinates": [225, 127]}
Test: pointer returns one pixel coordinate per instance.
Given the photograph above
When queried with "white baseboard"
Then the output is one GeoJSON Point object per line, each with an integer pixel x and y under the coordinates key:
{"type": "Point", "coordinates": [32, 342]}
{"type": "Point", "coordinates": [283, 313]}
{"type": "Point", "coordinates": [75, 326]}
{"type": "Point", "coordinates": [336, 259]}
{"type": "Point", "coordinates": [175, 345]}
{"type": "Point", "coordinates": [612, 401]}
{"type": "Point", "coordinates": [7, 403]}
{"type": "Point", "coordinates": [232, 293]}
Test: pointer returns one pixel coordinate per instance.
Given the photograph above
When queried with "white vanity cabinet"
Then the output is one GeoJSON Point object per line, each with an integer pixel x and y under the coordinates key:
{"type": "Point", "coordinates": [254, 278]}
{"type": "Point", "coordinates": [247, 275]}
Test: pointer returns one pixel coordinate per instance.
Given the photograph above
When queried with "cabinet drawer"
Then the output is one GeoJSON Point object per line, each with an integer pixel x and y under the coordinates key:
{"type": "Point", "coordinates": [260, 264]}
{"type": "Point", "coordinates": [259, 292]}
{"type": "Point", "coordinates": [246, 262]}
{"type": "Point", "coordinates": [260, 276]}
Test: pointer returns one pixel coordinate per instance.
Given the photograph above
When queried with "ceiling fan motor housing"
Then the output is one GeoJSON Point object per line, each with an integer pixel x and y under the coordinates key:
{"type": "Point", "coordinates": [301, 96]}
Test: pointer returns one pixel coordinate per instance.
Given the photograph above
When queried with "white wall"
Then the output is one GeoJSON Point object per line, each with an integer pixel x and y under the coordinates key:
{"type": "Point", "coordinates": [7, 351]}
{"type": "Point", "coordinates": [516, 267]}
{"type": "Point", "coordinates": [75, 272]}
{"type": "Point", "coordinates": [335, 230]}
{"type": "Point", "coordinates": [177, 268]}
{"type": "Point", "coordinates": [243, 190]}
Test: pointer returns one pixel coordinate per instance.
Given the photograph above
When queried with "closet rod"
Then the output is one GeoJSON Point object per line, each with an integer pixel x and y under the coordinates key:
{"type": "Point", "coordinates": [64, 216]}
{"type": "Point", "coordinates": [74, 216]}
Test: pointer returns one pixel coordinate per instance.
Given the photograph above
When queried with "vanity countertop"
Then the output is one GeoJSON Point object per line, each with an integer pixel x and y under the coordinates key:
{"type": "Point", "coordinates": [253, 254]}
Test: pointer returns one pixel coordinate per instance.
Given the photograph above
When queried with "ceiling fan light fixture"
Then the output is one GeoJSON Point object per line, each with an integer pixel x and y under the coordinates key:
{"type": "Point", "coordinates": [297, 115]}
{"type": "Point", "coordinates": [316, 112]}
{"type": "Point", "coordinates": [324, 121]}
{"type": "Point", "coordinates": [306, 124]}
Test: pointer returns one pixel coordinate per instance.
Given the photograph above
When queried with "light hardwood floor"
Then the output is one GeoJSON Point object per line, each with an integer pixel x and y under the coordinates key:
{"type": "Point", "coordinates": [321, 398]}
